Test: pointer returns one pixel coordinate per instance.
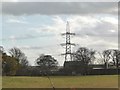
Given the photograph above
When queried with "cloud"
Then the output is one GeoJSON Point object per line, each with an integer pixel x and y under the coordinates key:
{"type": "Point", "coordinates": [26, 36]}
{"type": "Point", "coordinates": [30, 47]}
{"type": "Point", "coordinates": [60, 1]}
{"type": "Point", "coordinates": [10, 0]}
{"type": "Point", "coordinates": [91, 31]}
{"type": "Point", "coordinates": [83, 26]}
{"type": "Point", "coordinates": [94, 26]}
{"type": "Point", "coordinates": [55, 8]}
{"type": "Point", "coordinates": [56, 28]}
{"type": "Point", "coordinates": [111, 20]}
{"type": "Point", "coordinates": [36, 47]}
{"type": "Point", "coordinates": [16, 21]}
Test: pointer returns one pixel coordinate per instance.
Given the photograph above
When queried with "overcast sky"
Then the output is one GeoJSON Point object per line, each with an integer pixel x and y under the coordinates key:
{"type": "Point", "coordinates": [35, 27]}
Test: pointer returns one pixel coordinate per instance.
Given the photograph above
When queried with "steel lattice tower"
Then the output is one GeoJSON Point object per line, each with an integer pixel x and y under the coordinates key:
{"type": "Point", "coordinates": [68, 53]}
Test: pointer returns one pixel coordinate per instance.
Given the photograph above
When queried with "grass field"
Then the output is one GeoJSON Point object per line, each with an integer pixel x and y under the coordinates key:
{"type": "Point", "coordinates": [106, 81]}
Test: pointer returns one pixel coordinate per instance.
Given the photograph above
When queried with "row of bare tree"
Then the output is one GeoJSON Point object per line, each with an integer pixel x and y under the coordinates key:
{"type": "Point", "coordinates": [11, 64]}
{"type": "Point", "coordinates": [89, 56]}
{"type": "Point", "coordinates": [17, 60]}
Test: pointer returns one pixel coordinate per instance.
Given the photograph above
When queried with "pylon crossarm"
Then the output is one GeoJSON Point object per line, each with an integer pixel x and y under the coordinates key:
{"type": "Point", "coordinates": [68, 33]}
{"type": "Point", "coordinates": [64, 44]}
{"type": "Point", "coordinates": [67, 53]}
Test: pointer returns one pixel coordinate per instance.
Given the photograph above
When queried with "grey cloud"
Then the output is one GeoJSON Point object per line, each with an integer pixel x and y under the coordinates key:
{"type": "Point", "coordinates": [50, 8]}
{"type": "Point", "coordinates": [28, 36]}
{"type": "Point", "coordinates": [100, 30]}
{"type": "Point", "coordinates": [60, 1]}
{"type": "Point", "coordinates": [99, 47]}
{"type": "Point", "coordinates": [32, 47]}
{"type": "Point", "coordinates": [52, 46]}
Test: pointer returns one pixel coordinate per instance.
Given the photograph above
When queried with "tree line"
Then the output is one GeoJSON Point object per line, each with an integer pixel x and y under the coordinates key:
{"type": "Point", "coordinates": [107, 57]}
{"type": "Point", "coordinates": [16, 61]}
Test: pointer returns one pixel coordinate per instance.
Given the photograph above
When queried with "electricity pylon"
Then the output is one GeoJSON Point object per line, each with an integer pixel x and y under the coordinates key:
{"type": "Point", "coordinates": [68, 53]}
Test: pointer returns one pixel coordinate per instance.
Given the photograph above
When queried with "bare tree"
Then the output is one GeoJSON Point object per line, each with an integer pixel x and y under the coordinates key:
{"type": "Point", "coordinates": [116, 60]}
{"type": "Point", "coordinates": [110, 56]}
{"type": "Point", "coordinates": [19, 55]}
{"type": "Point", "coordinates": [85, 55]}
{"type": "Point", "coordinates": [106, 57]}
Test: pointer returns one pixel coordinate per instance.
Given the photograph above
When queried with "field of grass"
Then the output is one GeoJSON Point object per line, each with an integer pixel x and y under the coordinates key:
{"type": "Point", "coordinates": [105, 81]}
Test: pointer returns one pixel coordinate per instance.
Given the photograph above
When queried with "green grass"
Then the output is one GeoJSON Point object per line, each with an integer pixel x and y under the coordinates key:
{"type": "Point", "coordinates": [105, 81]}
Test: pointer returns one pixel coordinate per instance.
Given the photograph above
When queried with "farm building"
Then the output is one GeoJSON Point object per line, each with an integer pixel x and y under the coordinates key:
{"type": "Point", "coordinates": [91, 69]}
